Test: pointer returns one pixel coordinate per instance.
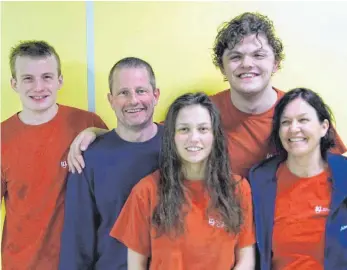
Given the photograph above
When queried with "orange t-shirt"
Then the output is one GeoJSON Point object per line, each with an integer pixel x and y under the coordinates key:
{"type": "Point", "coordinates": [204, 243]}
{"type": "Point", "coordinates": [33, 172]}
{"type": "Point", "coordinates": [248, 134]}
{"type": "Point", "coordinates": [302, 207]}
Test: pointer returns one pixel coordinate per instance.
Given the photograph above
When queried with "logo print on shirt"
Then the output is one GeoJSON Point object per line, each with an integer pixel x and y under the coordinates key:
{"type": "Point", "coordinates": [344, 227]}
{"type": "Point", "coordinates": [63, 164]}
{"type": "Point", "coordinates": [268, 155]}
{"type": "Point", "coordinates": [320, 209]}
{"type": "Point", "coordinates": [216, 223]}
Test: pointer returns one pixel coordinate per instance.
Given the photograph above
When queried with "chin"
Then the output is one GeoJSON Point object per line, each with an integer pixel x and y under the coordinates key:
{"type": "Point", "coordinates": [250, 91]}
{"type": "Point", "coordinates": [297, 154]}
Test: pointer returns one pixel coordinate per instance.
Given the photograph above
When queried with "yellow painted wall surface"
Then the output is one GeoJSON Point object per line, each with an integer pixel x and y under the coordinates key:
{"type": "Point", "coordinates": [176, 38]}
{"type": "Point", "coordinates": [60, 23]}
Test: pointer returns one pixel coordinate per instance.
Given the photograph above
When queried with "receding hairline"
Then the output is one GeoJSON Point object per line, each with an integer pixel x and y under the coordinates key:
{"type": "Point", "coordinates": [120, 68]}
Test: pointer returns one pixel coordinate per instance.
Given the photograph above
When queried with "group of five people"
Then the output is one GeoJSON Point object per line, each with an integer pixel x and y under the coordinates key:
{"type": "Point", "coordinates": [248, 169]}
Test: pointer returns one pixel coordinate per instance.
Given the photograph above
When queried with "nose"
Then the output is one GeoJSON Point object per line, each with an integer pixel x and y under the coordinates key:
{"type": "Point", "coordinates": [39, 85]}
{"type": "Point", "coordinates": [294, 126]}
{"type": "Point", "coordinates": [247, 61]}
{"type": "Point", "coordinates": [194, 135]}
{"type": "Point", "coordinates": [133, 98]}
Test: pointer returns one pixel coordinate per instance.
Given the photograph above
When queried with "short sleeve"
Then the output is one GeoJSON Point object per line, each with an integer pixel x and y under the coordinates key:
{"type": "Point", "coordinates": [132, 227]}
{"type": "Point", "coordinates": [247, 233]}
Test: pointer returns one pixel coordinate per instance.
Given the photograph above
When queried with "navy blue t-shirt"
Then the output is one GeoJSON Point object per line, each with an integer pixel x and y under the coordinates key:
{"type": "Point", "coordinates": [95, 197]}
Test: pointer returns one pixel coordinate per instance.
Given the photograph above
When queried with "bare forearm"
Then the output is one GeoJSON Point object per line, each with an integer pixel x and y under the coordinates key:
{"type": "Point", "coordinates": [244, 266]}
{"type": "Point", "coordinates": [245, 258]}
{"type": "Point", "coordinates": [136, 261]}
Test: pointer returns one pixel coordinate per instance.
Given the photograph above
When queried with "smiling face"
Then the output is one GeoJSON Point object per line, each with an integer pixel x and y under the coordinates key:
{"type": "Point", "coordinates": [300, 129]}
{"type": "Point", "coordinates": [133, 98]}
{"type": "Point", "coordinates": [193, 135]}
{"type": "Point", "coordinates": [249, 65]}
{"type": "Point", "coordinates": [37, 82]}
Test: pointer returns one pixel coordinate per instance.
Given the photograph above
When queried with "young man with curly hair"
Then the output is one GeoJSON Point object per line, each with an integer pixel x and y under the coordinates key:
{"type": "Point", "coordinates": [248, 53]}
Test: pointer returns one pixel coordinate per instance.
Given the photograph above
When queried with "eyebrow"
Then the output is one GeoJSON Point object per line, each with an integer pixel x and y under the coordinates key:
{"type": "Point", "coordinates": [187, 124]}
{"type": "Point", "coordinates": [238, 52]}
{"type": "Point", "coordinates": [25, 75]}
{"type": "Point", "coordinates": [303, 114]}
{"type": "Point", "coordinates": [30, 75]}
{"type": "Point", "coordinates": [118, 90]}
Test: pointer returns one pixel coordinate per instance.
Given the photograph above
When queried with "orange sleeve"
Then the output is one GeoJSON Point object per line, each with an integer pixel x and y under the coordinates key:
{"type": "Point", "coordinates": [340, 147]}
{"type": "Point", "coordinates": [247, 233]}
{"type": "Point", "coordinates": [97, 122]}
{"type": "Point", "coordinates": [132, 227]}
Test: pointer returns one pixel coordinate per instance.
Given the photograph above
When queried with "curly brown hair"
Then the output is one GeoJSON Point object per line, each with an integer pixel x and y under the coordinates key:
{"type": "Point", "coordinates": [232, 32]}
{"type": "Point", "coordinates": [168, 215]}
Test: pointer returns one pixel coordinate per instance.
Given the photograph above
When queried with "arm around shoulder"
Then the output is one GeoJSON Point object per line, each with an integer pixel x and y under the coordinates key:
{"type": "Point", "coordinates": [82, 141]}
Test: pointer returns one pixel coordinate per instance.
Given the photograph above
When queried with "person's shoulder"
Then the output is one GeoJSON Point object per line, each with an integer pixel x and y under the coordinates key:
{"type": "Point", "coordinates": [337, 161]}
{"type": "Point", "coordinates": [106, 142]}
{"type": "Point", "coordinates": [160, 126]}
{"type": "Point", "coordinates": [148, 186]}
{"type": "Point", "coordinates": [220, 96]}
{"type": "Point", "coordinates": [76, 112]}
{"type": "Point", "coordinates": [160, 132]}
{"type": "Point", "coordinates": [280, 93]}
{"type": "Point", "coordinates": [267, 164]}
{"type": "Point", "coordinates": [10, 128]}
{"type": "Point", "coordinates": [12, 120]}
{"type": "Point", "coordinates": [242, 184]}
{"type": "Point", "coordinates": [78, 119]}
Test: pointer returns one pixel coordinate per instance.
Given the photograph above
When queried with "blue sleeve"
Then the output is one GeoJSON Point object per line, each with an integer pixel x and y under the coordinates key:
{"type": "Point", "coordinates": [78, 241]}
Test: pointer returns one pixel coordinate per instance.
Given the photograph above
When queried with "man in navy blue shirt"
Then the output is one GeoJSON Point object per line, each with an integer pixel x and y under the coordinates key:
{"type": "Point", "coordinates": [114, 163]}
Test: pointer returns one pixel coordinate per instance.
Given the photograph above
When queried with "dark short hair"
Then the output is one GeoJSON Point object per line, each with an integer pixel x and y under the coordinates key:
{"type": "Point", "coordinates": [248, 23]}
{"type": "Point", "coordinates": [323, 113]}
{"type": "Point", "coordinates": [35, 49]}
{"type": "Point", "coordinates": [132, 62]}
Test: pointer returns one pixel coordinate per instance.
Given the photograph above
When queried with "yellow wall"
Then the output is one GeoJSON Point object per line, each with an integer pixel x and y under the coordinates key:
{"type": "Point", "coordinates": [177, 38]}
{"type": "Point", "coordinates": [61, 24]}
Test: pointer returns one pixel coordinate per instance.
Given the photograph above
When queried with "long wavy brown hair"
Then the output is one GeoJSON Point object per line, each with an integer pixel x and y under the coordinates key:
{"type": "Point", "coordinates": [168, 216]}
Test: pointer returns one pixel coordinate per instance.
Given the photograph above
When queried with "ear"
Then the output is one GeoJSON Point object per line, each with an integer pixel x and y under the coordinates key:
{"type": "Point", "coordinates": [13, 82]}
{"type": "Point", "coordinates": [222, 70]}
{"type": "Point", "coordinates": [156, 93]}
{"type": "Point", "coordinates": [60, 81]}
{"type": "Point", "coordinates": [325, 127]}
{"type": "Point", "coordinates": [275, 68]}
{"type": "Point", "coordinates": [109, 98]}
